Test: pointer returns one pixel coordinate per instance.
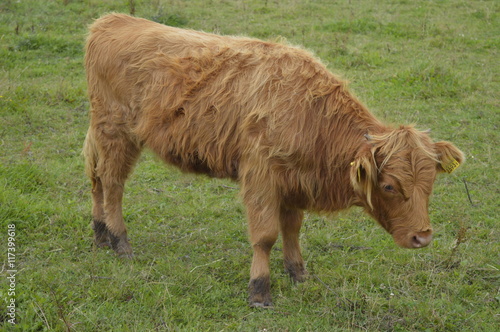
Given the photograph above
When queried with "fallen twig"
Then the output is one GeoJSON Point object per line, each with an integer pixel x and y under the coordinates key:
{"type": "Point", "coordinates": [467, 190]}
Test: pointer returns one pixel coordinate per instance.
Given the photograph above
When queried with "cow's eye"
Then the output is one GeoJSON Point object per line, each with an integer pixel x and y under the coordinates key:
{"type": "Point", "coordinates": [389, 188]}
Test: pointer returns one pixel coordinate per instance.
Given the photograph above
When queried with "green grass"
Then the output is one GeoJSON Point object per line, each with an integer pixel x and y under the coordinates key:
{"type": "Point", "coordinates": [434, 63]}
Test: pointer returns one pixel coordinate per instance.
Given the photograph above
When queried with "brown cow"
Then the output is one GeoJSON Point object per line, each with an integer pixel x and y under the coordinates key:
{"type": "Point", "coordinates": [268, 115]}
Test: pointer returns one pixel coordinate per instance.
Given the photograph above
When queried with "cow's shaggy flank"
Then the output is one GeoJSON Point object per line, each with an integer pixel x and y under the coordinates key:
{"type": "Point", "coordinates": [268, 115]}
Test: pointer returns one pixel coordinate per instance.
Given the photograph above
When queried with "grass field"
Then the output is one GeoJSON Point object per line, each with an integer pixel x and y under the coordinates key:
{"type": "Point", "coordinates": [434, 63]}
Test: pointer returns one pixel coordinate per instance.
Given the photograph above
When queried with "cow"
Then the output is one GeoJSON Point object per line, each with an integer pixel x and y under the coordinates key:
{"type": "Point", "coordinates": [268, 115]}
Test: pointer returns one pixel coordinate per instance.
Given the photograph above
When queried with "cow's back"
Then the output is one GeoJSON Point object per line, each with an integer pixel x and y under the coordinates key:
{"type": "Point", "coordinates": [203, 101]}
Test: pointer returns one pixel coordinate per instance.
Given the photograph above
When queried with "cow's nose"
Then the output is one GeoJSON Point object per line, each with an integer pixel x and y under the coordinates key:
{"type": "Point", "coordinates": [421, 239]}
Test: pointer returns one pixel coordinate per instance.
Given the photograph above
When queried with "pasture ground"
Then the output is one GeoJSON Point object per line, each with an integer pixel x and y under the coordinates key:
{"type": "Point", "coordinates": [434, 63]}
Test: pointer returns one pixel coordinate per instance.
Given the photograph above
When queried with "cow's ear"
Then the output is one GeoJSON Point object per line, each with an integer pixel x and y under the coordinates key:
{"type": "Point", "coordinates": [449, 157]}
{"type": "Point", "coordinates": [364, 175]}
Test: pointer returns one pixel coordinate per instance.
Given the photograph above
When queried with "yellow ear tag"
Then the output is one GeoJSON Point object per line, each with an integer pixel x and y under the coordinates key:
{"type": "Point", "coordinates": [451, 166]}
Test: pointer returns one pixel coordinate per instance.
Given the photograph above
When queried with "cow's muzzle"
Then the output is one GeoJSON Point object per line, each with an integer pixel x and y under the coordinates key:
{"type": "Point", "coordinates": [414, 240]}
{"type": "Point", "coordinates": [421, 239]}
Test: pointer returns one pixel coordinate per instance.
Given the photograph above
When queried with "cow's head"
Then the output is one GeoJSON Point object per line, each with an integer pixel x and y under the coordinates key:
{"type": "Point", "coordinates": [393, 176]}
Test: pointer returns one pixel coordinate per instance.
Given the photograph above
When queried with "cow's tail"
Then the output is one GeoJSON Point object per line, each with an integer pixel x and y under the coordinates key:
{"type": "Point", "coordinates": [90, 154]}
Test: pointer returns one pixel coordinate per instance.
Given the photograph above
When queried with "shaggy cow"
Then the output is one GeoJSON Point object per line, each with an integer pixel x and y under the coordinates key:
{"type": "Point", "coordinates": [268, 115]}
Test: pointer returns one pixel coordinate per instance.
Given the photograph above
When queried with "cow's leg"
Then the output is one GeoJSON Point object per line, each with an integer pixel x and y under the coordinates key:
{"type": "Point", "coordinates": [118, 158]}
{"type": "Point", "coordinates": [101, 233]}
{"type": "Point", "coordinates": [290, 223]}
{"type": "Point", "coordinates": [111, 152]}
{"type": "Point", "coordinates": [264, 229]}
{"type": "Point", "coordinates": [91, 153]}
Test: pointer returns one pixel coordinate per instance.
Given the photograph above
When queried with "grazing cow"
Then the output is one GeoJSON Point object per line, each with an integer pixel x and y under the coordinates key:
{"type": "Point", "coordinates": [267, 115]}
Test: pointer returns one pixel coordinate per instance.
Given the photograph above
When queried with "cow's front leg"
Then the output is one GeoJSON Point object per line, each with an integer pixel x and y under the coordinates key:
{"type": "Point", "coordinates": [264, 229]}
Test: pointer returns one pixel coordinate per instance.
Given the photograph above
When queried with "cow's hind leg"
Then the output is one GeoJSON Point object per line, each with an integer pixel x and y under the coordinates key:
{"type": "Point", "coordinates": [101, 232]}
{"type": "Point", "coordinates": [114, 155]}
{"type": "Point", "coordinates": [290, 223]}
{"type": "Point", "coordinates": [120, 158]}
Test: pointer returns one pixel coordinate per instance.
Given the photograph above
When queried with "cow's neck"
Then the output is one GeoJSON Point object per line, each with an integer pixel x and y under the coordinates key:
{"type": "Point", "coordinates": [345, 135]}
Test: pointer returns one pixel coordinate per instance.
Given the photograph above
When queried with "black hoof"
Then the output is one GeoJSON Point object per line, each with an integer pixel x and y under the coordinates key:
{"type": "Point", "coordinates": [121, 246]}
{"type": "Point", "coordinates": [260, 293]}
{"type": "Point", "coordinates": [264, 305]}
{"type": "Point", "coordinates": [101, 234]}
{"type": "Point", "coordinates": [296, 271]}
